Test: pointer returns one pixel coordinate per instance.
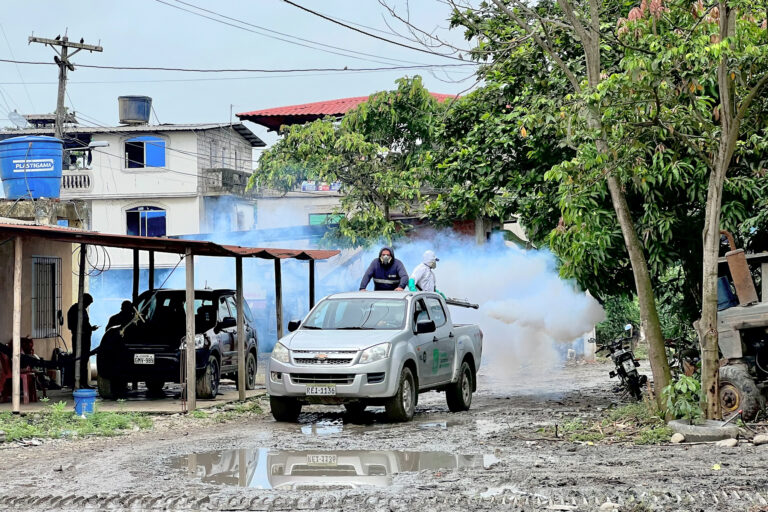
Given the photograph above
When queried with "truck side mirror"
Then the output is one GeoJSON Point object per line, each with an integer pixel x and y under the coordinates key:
{"type": "Point", "coordinates": [293, 325]}
{"type": "Point", "coordinates": [425, 326]}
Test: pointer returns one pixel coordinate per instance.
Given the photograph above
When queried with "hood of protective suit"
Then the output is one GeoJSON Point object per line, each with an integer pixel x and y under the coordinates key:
{"type": "Point", "coordinates": [391, 251]}
{"type": "Point", "coordinates": [429, 258]}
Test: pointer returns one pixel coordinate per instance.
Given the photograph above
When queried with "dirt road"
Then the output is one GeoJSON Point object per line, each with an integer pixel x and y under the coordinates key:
{"type": "Point", "coordinates": [496, 456]}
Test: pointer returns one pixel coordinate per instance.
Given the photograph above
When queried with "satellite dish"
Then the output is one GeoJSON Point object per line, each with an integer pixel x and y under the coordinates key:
{"type": "Point", "coordinates": [18, 119]}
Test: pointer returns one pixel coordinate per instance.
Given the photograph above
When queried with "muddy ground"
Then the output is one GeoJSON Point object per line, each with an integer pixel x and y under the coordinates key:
{"type": "Point", "coordinates": [495, 456]}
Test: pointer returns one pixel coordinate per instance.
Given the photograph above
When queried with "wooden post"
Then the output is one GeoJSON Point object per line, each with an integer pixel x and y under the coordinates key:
{"type": "Point", "coordinates": [16, 356]}
{"type": "Point", "coordinates": [135, 275]}
{"type": "Point", "coordinates": [190, 352]}
{"type": "Point", "coordinates": [279, 298]}
{"type": "Point", "coordinates": [240, 328]}
{"type": "Point", "coordinates": [311, 284]}
{"type": "Point", "coordinates": [78, 345]}
{"type": "Point", "coordinates": [151, 270]}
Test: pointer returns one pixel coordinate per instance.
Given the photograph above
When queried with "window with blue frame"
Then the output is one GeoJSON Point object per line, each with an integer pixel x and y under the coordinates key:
{"type": "Point", "coordinates": [145, 221]}
{"type": "Point", "coordinates": [145, 151]}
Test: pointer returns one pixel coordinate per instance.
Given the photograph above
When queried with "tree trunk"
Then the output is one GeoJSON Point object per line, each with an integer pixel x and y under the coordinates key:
{"type": "Point", "coordinates": [649, 315]}
{"type": "Point", "coordinates": [707, 325]}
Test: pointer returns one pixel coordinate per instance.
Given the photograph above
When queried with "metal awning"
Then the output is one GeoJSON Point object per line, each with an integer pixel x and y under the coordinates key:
{"type": "Point", "coordinates": [171, 245]}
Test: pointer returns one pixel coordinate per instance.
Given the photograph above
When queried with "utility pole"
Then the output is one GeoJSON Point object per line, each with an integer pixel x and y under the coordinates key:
{"type": "Point", "coordinates": [62, 60]}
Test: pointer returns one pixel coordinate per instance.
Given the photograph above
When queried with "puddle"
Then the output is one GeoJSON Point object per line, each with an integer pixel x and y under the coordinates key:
{"type": "Point", "coordinates": [323, 428]}
{"type": "Point", "coordinates": [264, 468]}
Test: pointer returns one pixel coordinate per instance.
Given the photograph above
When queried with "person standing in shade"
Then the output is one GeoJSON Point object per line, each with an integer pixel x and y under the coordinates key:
{"type": "Point", "coordinates": [85, 339]}
{"type": "Point", "coordinates": [387, 272]}
{"type": "Point", "coordinates": [423, 277]}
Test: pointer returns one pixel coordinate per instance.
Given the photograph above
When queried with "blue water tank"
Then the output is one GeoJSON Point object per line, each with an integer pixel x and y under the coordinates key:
{"type": "Point", "coordinates": [134, 109]}
{"type": "Point", "coordinates": [30, 167]}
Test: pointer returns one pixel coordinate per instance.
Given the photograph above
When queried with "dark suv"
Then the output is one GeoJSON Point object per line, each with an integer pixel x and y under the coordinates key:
{"type": "Point", "coordinates": [151, 349]}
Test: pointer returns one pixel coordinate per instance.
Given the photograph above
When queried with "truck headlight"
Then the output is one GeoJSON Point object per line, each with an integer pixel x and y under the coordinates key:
{"type": "Point", "coordinates": [374, 353]}
{"type": "Point", "coordinates": [280, 353]}
{"type": "Point", "coordinates": [200, 342]}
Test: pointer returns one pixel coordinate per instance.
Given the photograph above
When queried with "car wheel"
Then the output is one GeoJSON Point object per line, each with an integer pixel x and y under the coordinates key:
{"type": "Point", "coordinates": [208, 382]}
{"type": "Point", "coordinates": [250, 371]}
{"type": "Point", "coordinates": [155, 387]}
{"type": "Point", "coordinates": [285, 408]}
{"type": "Point", "coordinates": [738, 391]}
{"type": "Point", "coordinates": [402, 406]}
{"type": "Point", "coordinates": [459, 394]}
{"type": "Point", "coordinates": [111, 388]}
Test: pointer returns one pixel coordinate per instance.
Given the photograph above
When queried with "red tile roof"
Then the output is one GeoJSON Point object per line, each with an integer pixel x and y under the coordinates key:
{"type": "Point", "coordinates": [273, 118]}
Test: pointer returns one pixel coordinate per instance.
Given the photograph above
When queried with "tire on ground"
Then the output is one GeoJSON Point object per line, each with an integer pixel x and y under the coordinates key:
{"type": "Point", "coordinates": [459, 394]}
{"type": "Point", "coordinates": [110, 389]}
{"type": "Point", "coordinates": [738, 391]}
{"type": "Point", "coordinates": [207, 384]}
{"type": "Point", "coordinates": [401, 406]}
{"type": "Point", "coordinates": [285, 408]}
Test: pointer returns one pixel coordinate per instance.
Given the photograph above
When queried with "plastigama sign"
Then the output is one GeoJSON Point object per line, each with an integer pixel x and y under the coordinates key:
{"type": "Point", "coordinates": [33, 165]}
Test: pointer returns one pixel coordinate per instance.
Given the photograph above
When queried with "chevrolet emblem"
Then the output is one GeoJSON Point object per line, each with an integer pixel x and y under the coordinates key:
{"type": "Point", "coordinates": [321, 356]}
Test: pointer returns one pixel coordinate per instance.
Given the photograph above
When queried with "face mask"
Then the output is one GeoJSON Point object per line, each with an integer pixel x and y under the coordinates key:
{"type": "Point", "coordinates": [432, 264]}
{"type": "Point", "coordinates": [386, 260]}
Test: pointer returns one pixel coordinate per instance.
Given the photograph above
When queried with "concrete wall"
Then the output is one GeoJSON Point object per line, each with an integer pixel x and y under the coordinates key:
{"type": "Point", "coordinates": [34, 247]}
{"type": "Point", "coordinates": [292, 210]}
{"type": "Point", "coordinates": [182, 217]}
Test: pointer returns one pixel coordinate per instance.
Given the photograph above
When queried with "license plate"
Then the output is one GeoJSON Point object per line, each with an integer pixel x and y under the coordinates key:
{"type": "Point", "coordinates": [143, 358]}
{"type": "Point", "coordinates": [325, 390]}
{"type": "Point", "coordinates": [628, 365]}
{"type": "Point", "coordinates": [321, 460]}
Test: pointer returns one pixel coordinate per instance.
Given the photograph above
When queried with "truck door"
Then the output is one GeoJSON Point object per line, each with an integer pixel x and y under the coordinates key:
{"type": "Point", "coordinates": [424, 345]}
{"type": "Point", "coordinates": [445, 347]}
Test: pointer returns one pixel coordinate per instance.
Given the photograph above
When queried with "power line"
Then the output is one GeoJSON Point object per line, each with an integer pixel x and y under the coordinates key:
{"type": "Point", "coordinates": [350, 27]}
{"type": "Point", "coordinates": [249, 70]}
{"type": "Point", "coordinates": [236, 20]}
{"type": "Point", "coordinates": [21, 77]}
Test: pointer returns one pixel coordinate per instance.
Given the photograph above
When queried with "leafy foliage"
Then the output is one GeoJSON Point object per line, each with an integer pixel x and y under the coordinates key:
{"type": "Point", "coordinates": [682, 398]}
{"type": "Point", "coordinates": [375, 152]}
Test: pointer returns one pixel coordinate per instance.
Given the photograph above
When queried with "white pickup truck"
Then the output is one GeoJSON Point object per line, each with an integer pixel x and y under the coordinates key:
{"type": "Point", "coordinates": [374, 348]}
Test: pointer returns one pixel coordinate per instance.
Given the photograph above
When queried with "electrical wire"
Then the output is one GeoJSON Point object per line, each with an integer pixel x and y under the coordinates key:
{"type": "Point", "coordinates": [380, 38]}
{"type": "Point", "coordinates": [21, 77]}
{"type": "Point", "coordinates": [345, 69]}
{"type": "Point", "coordinates": [376, 58]}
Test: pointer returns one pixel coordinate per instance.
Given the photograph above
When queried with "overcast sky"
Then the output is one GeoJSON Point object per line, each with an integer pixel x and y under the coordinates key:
{"type": "Point", "coordinates": [150, 33]}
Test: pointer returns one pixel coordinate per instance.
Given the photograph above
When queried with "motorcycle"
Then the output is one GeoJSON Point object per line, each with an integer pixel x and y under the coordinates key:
{"type": "Point", "coordinates": [626, 365]}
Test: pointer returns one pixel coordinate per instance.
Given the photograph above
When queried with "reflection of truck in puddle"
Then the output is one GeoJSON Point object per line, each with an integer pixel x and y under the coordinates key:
{"type": "Point", "coordinates": [229, 467]}
{"type": "Point", "coordinates": [351, 469]}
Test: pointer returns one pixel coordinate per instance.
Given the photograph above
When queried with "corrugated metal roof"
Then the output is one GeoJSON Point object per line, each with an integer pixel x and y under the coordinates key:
{"type": "Point", "coordinates": [240, 128]}
{"type": "Point", "coordinates": [172, 245]}
{"type": "Point", "coordinates": [273, 118]}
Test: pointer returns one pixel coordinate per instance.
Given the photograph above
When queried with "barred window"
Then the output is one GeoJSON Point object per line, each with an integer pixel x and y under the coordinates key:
{"type": "Point", "coordinates": [46, 296]}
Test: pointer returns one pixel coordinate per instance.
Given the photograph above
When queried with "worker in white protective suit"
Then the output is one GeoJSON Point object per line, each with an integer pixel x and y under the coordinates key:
{"type": "Point", "coordinates": [423, 277]}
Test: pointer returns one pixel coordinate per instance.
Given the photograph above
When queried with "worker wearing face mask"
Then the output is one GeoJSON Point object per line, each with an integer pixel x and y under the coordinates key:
{"type": "Point", "coordinates": [387, 272]}
{"type": "Point", "coordinates": [423, 278]}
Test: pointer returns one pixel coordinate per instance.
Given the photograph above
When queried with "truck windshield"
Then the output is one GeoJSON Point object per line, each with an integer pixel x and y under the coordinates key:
{"type": "Point", "coordinates": [379, 314]}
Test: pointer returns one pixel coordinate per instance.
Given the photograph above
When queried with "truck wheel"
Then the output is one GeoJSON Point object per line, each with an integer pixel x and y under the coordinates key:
{"type": "Point", "coordinates": [401, 406]}
{"type": "Point", "coordinates": [208, 383]}
{"type": "Point", "coordinates": [738, 391]}
{"type": "Point", "coordinates": [284, 408]}
{"type": "Point", "coordinates": [155, 387]}
{"type": "Point", "coordinates": [459, 394]}
{"type": "Point", "coordinates": [111, 388]}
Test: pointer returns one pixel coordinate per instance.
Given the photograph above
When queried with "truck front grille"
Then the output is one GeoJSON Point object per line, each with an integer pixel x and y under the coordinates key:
{"type": "Point", "coordinates": [320, 378]}
{"type": "Point", "coordinates": [306, 360]}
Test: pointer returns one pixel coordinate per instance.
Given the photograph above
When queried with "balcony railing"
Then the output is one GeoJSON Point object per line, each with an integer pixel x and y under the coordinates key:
{"type": "Point", "coordinates": [74, 182]}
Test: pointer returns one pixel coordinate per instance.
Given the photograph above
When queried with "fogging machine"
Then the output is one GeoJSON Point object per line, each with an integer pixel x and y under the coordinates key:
{"type": "Point", "coordinates": [463, 303]}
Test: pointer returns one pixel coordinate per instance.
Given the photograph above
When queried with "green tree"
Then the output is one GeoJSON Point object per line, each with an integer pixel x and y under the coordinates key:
{"type": "Point", "coordinates": [695, 75]}
{"type": "Point", "coordinates": [375, 152]}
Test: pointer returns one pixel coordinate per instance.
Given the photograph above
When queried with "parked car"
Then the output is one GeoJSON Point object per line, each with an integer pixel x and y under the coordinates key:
{"type": "Point", "coordinates": [374, 348]}
{"type": "Point", "coordinates": [151, 349]}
